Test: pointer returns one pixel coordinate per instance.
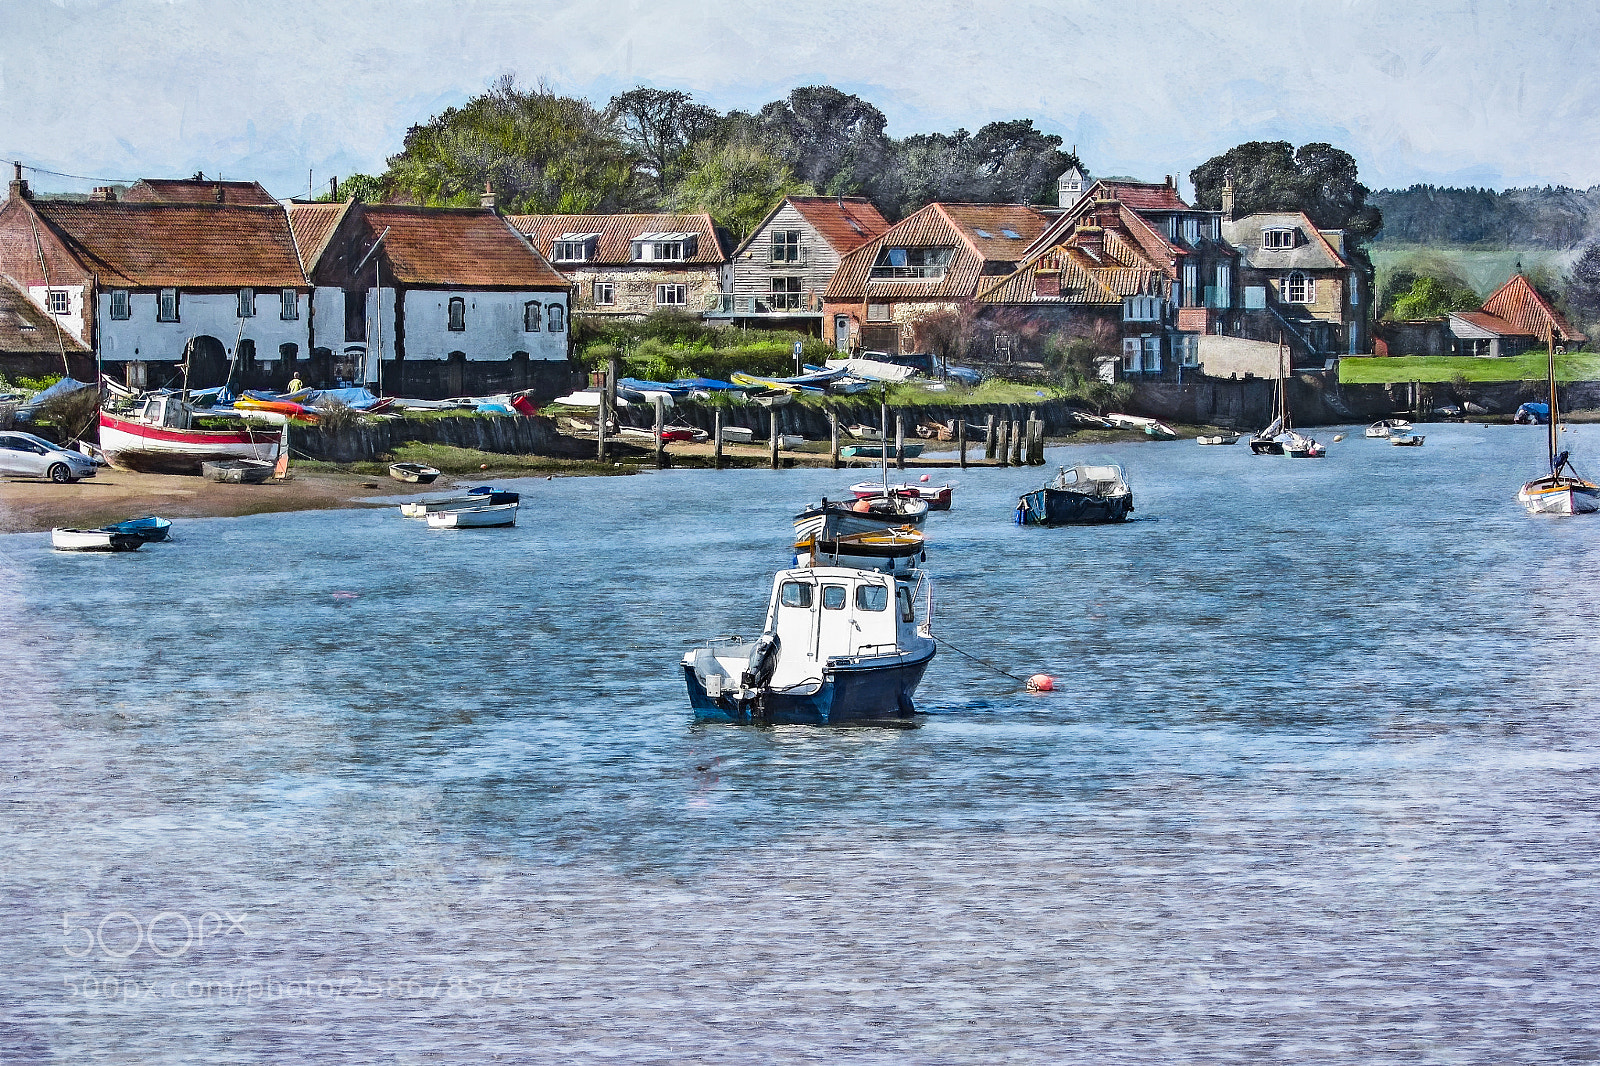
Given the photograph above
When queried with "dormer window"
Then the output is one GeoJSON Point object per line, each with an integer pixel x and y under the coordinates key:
{"type": "Point", "coordinates": [1143, 308]}
{"type": "Point", "coordinates": [1191, 230]}
{"type": "Point", "coordinates": [1278, 238]}
{"type": "Point", "coordinates": [664, 247]}
{"type": "Point", "coordinates": [911, 263]}
{"type": "Point", "coordinates": [574, 247]}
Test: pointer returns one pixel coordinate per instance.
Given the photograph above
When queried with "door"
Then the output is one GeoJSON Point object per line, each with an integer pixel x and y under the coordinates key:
{"type": "Point", "coordinates": [355, 315]}
{"type": "Point", "coordinates": [836, 631]}
{"type": "Point", "coordinates": [208, 363]}
{"type": "Point", "coordinates": [841, 333]}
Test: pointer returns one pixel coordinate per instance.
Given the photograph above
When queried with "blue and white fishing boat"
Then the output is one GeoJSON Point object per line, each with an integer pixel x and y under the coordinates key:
{"type": "Point", "coordinates": [841, 645]}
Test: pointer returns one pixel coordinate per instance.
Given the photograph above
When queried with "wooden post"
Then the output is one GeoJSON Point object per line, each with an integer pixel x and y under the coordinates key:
{"type": "Point", "coordinates": [600, 423]}
{"type": "Point", "coordinates": [661, 425]}
{"type": "Point", "coordinates": [833, 437]}
{"type": "Point", "coordinates": [988, 438]}
{"type": "Point", "coordinates": [1002, 453]}
{"type": "Point", "coordinates": [772, 417]}
{"type": "Point", "coordinates": [1016, 443]}
{"type": "Point", "coordinates": [900, 442]}
{"type": "Point", "coordinates": [961, 439]}
{"type": "Point", "coordinates": [716, 439]}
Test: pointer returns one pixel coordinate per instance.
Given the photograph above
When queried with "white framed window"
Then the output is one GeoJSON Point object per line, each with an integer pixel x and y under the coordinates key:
{"type": "Point", "coordinates": [672, 295]}
{"type": "Point", "coordinates": [247, 303]}
{"type": "Point", "coordinates": [288, 305]}
{"type": "Point", "coordinates": [1191, 229]}
{"type": "Point", "coordinates": [1298, 289]}
{"type": "Point", "coordinates": [1132, 353]}
{"type": "Point", "coordinates": [167, 306]}
{"type": "Point", "coordinates": [457, 314]}
{"type": "Point", "coordinates": [1277, 238]}
{"type": "Point", "coordinates": [532, 315]}
{"type": "Point", "coordinates": [1142, 308]}
{"type": "Point", "coordinates": [1355, 289]}
{"type": "Point", "coordinates": [1186, 349]}
{"type": "Point", "coordinates": [878, 313]}
{"type": "Point", "coordinates": [121, 306]}
{"type": "Point", "coordinates": [1172, 227]}
{"type": "Point", "coordinates": [556, 318]}
{"type": "Point", "coordinates": [605, 293]}
{"type": "Point", "coordinates": [1222, 293]}
{"type": "Point", "coordinates": [673, 249]}
{"type": "Point", "coordinates": [1152, 354]}
{"type": "Point", "coordinates": [59, 303]}
{"type": "Point", "coordinates": [1191, 284]}
{"type": "Point", "coordinates": [569, 250]}
{"type": "Point", "coordinates": [786, 246]}
{"type": "Point", "coordinates": [1216, 228]}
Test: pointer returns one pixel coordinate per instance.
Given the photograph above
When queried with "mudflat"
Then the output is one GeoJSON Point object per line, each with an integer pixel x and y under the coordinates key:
{"type": "Point", "coordinates": [113, 495]}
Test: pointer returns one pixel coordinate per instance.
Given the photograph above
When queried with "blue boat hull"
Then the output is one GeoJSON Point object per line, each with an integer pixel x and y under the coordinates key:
{"type": "Point", "coordinates": [848, 694]}
{"type": "Point", "coordinates": [1058, 507]}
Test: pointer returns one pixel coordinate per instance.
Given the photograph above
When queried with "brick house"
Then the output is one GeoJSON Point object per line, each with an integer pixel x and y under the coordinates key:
{"type": "Point", "coordinates": [431, 301]}
{"type": "Point", "coordinates": [931, 260]}
{"type": "Point", "coordinates": [1512, 320]}
{"type": "Point", "coordinates": [778, 275]}
{"type": "Point", "coordinates": [33, 344]}
{"type": "Point", "coordinates": [626, 266]}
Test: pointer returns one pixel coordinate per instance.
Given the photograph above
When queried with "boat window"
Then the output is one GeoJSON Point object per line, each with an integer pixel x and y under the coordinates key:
{"type": "Point", "coordinates": [872, 598]}
{"type": "Point", "coordinates": [833, 597]}
{"type": "Point", "coordinates": [902, 596]}
{"type": "Point", "coordinates": [795, 594]}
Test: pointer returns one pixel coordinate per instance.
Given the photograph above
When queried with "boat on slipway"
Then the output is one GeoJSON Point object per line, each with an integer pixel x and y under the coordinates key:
{"type": "Point", "coordinates": [158, 435]}
{"type": "Point", "coordinates": [841, 645]}
{"type": "Point", "coordinates": [1083, 495]}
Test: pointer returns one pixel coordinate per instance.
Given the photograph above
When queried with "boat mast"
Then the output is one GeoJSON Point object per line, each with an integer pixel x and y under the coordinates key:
{"type": "Point", "coordinates": [883, 451]}
{"type": "Point", "coordinates": [1283, 388]}
{"type": "Point", "coordinates": [1550, 338]}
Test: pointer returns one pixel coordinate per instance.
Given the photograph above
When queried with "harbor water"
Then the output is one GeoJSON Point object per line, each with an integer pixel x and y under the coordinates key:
{"type": "Point", "coordinates": [1318, 782]}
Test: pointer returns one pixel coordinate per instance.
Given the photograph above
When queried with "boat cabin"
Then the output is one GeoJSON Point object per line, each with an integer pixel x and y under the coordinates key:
{"type": "Point", "coordinates": [166, 409]}
{"type": "Point", "coordinates": [828, 612]}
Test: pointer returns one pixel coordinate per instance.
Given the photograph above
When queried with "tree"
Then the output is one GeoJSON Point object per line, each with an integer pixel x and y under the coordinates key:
{"type": "Point", "coordinates": [362, 187]}
{"type": "Point", "coordinates": [1004, 162]}
{"type": "Point", "coordinates": [947, 333]}
{"type": "Point", "coordinates": [540, 152]}
{"type": "Point", "coordinates": [1018, 163]}
{"type": "Point", "coordinates": [1583, 284]}
{"type": "Point", "coordinates": [736, 183]}
{"type": "Point", "coordinates": [658, 126]}
{"type": "Point", "coordinates": [1318, 179]}
{"type": "Point", "coordinates": [832, 140]}
{"type": "Point", "coordinates": [1432, 298]}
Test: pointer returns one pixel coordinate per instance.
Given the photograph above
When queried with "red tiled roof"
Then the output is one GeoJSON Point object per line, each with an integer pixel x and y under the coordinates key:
{"type": "Point", "coordinates": [313, 226]}
{"type": "Point", "coordinates": [617, 232]}
{"type": "Point", "coordinates": [1141, 195]}
{"type": "Point", "coordinates": [466, 247]}
{"type": "Point", "coordinates": [1517, 304]}
{"type": "Point", "coordinates": [1092, 272]}
{"type": "Point", "coordinates": [189, 191]}
{"type": "Point", "coordinates": [940, 225]}
{"type": "Point", "coordinates": [26, 328]}
{"type": "Point", "coordinates": [1134, 197]}
{"type": "Point", "coordinates": [151, 245]}
{"type": "Point", "coordinates": [832, 217]}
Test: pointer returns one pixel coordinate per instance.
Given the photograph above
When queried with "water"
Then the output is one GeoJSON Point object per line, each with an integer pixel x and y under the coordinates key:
{"type": "Point", "coordinates": [1319, 782]}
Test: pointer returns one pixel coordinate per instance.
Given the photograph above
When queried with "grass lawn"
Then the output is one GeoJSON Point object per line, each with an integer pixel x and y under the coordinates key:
{"type": "Point", "coordinates": [1530, 366]}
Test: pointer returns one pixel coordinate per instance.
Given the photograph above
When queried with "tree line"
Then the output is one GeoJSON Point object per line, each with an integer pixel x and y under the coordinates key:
{"type": "Point", "coordinates": [1548, 217]}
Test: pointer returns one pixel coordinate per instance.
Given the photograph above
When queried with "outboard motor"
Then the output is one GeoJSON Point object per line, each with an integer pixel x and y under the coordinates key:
{"type": "Point", "coordinates": [763, 661]}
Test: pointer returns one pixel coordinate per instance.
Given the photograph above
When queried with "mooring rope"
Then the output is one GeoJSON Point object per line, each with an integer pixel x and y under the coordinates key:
{"type": "Point", "coordinates": [982, 662]}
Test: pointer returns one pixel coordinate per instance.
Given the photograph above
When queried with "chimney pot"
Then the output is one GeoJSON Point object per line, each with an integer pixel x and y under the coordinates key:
{"type": "Point", "coordinates": [19, 188]}
{"type": "Point", "coordinates": [104, 193]}
{"type": "Point", "coordinates": [1169, 181]}
{"type": "Point", "coordinates": [486, 200]}
{"type": "Point", "coordinates": [216, 192]}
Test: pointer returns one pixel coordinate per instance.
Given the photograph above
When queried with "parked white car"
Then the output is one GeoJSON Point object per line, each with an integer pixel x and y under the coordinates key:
{"type": "Point", "coordinates": [24, 455]}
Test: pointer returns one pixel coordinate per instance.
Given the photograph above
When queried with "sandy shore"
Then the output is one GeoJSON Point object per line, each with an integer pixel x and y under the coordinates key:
{"type": "Point", "coordinates": [113, 495]}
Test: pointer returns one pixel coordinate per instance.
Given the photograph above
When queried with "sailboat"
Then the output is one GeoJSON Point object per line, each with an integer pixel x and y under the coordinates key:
{"type": "Point", "coordinates": [1558, 492]}
{"type": "Point", "coordinates": [1279, 438]}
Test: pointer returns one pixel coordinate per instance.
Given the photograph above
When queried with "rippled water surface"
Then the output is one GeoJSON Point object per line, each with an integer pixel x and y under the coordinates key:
{"type": "Point", "coordinates": [1319, 782]}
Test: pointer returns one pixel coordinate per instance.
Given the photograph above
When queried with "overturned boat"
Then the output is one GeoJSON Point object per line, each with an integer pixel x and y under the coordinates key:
{"type": "Point", "coordinates": [1084, 495]}
{"type": "Point", "coordinates": [841, 645]}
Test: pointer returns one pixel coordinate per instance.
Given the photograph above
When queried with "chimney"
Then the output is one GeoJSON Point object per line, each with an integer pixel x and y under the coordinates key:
{"type": "Point", "coordinates": [19, 188]}
{"type": "Point", "coordinates": [335, 196]}
{"type": "Point", "coordinates": [1227, 197]}
{"type": "Point", "coordinates": [1092, 240]}
{"type": "Point", "coordinates": [216, 192]}
{"type": "Point", "coordinates": [1169, 181]}
{"type": "Point", "coordinates": [104, 194]}
{"type": "Point", "coordinates": [486, 201]}
{"type": "Point", "coordinates": [1047, 282]}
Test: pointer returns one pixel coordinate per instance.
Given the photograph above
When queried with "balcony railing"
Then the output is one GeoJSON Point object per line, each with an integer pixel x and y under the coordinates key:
{"type": "Point", "coordinates": [724, 304]}
{"type": "Point", "coordinates": [907, 273]}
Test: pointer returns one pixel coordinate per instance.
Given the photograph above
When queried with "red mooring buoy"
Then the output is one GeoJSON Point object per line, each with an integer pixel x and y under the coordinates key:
{"type": "Point", "coordinates": [1041, 683]}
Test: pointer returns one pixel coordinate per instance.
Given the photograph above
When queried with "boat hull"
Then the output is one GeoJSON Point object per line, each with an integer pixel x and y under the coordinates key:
{"type": "Point", "coordinates": [1563, 496]}
{"type": "Point", "coordinates": [237, 471]}
{"type": "Point", "coordinates": [134, 445]}
{"type": "Point", "coordinates": [937, 499]}
{"type": "Point", "coordinates": [93, 540]}
{"type": "Point", "coordinates": [413, 473]}
{"type": "Point", "coordinates": [875, 451]}
{"type": "Point", "coordinates": [876, 691]}
{"type": "Point", "coordinates": [486, 517]}
{"type": "Point", "coordinates": [1063, 507]}
{"type": "Point", "coordinates": [1267, 447]}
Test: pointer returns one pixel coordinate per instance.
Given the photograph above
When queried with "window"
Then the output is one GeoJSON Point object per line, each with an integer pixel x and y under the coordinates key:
{"type": "Point", "coordinates": [912, 263]}
{"type": "Point", "coordinates": [1131, 355]}
{"type": "Point", "coordinates": [1216, 228]}
{"type": "Point", "coordinates": [833, 597]}
{"type": "Point", "coordinates": [605, 293]}
{"type": "Point", "coordinates": [574, 247]}
{"type": "Point", "coordinates": [1142, 309]}
{"type": "Point", "coordinates": [1186, 349]}
{"type": "Point", "coordinates": [1191, 284]}
{"type": "Point", "coordinates": [1277, 238]}
{"type": "Point", "coordinates": [556, 318]}
{"type": "Point", "coordinates": [672, 295]}
{"type": "Point", "coordinates": [120, 307]}
{"type": "Point", "coordinates": [59, 304]}
{"type": "Point", "coordinates": [1152, 355]}
{"type": "Point", "coordinates": [1011, 234]}
{"type": "Point", "coordinates": [247, 303]}
{"type": "Point", "coordinates": [532, 313]}
{"type": "Point", "coordinates": [786, 294]}
{"type": "Point", "coordinates": [902, 596]}
{"type": "Point", "coordinates": [1298, 289]}
{"type": "Point", "coordinates": [872, 598]}
{"type": "Point", "coordinates": [1221, 294]}
{"type": "Point", "coordinates": [458, 313]}
{"type": "Point", "coordinates": [1355, 290]}
{"type": "Point", "coordinates": [795, 594]}
{"type": "Point", "coordinates": [167, 306]}
{"type": "Point", "coordinates": [878, 313]}
{"type": "Point", "coordinates": [664, 247]}
{"type": "Point", "coordinates": [786, 246]}
{"type": "Point", "coordinates": [1191, 230]}
{"type": "Point", "coordinates": [289, 305]}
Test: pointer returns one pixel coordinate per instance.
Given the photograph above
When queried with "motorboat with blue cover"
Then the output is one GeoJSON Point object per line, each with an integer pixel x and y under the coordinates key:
{"type": "Point", "coordinates": [1083, 495]}
{"type": "Point", "coordinates": [841, 645]}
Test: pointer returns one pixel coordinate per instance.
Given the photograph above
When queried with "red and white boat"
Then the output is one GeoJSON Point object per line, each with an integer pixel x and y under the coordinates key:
{"type": "Point", "coordinates": [156, 437]}
{"type": "Point", "coordinates": [937, 496]}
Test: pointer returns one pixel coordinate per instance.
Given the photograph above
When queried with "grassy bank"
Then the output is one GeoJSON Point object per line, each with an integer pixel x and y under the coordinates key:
{"type": "Point", "coordinates": [1530, 366]}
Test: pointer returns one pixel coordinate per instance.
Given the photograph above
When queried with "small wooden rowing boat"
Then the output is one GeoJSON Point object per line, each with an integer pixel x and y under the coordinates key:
{"type": "Point", "coordinates": [1408, 440]}
{"type": "Point", "coordinates": [494, 514]}
{"type": "Point", "coordinates": [93, 540]}
{"type": "Point", "coordinates": [476, 498]}
{"type": "Point", "coordinates": [938, 497]}
{"type": "Point", "coordinates": [413, 473]}
{"type": "Point", "coordinates": [237, 471]}
{"type": "Point", "coordinates": [880, 451]}
{"type": "Point", "coordinates": [1218, 438]}
{"type": "Point", "coordinates": [148, 529]}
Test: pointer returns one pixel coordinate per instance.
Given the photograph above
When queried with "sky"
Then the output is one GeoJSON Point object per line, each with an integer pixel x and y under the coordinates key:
{"type": "Point", "coordinates": [1454, 92]}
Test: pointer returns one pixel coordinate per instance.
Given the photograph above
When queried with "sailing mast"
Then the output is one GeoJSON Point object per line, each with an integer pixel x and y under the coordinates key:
{"type": "Point", "coordinates": [1555, 416]}
{"type": "Point", "coordinates": [1283, 389]}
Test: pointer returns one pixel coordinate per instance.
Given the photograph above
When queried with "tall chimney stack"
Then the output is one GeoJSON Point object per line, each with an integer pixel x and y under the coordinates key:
{"type": "Point", "coordinates": [19, 188]}
{"type": "Point", "coordinates": [486, 200]}
{"type": "Point", "coordinates": [1227, 197]}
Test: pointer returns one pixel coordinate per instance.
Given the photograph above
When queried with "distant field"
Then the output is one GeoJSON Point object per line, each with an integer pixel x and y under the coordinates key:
{"type": "Point", "coordinates": [1485, 269]}
{"type": "Point", "coordinates": [1530, 366]}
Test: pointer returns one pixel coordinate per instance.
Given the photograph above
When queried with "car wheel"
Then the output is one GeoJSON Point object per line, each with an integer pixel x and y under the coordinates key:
{"type": "Point", "coordinates": [61, 473]}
